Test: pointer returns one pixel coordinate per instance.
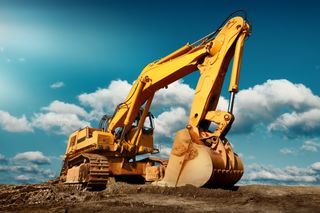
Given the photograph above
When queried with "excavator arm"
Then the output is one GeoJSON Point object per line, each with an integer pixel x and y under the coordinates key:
{"type": "Point", "coordinates": [210, 55]}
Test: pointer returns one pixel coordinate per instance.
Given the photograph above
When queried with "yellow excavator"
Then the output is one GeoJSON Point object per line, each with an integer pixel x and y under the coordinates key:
{"type": "Point", "coordinates": [200, 156]}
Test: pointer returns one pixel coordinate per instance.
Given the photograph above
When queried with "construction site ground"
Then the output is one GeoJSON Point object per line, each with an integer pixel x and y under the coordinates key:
{"type": "Point", "coordinates": [122, 197]}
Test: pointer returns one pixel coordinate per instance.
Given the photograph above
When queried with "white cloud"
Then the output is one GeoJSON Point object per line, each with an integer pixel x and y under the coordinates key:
{"type": "Point", "coordinates": [257, 173]}
{"type": "Point", "coordinates": [13, 124]}
{"type": "Point", "coordinates": [277, 93]}
{"type": "Point", "coordinates": [65, 108]}
{"type": "Point", "coordinates": [104, 101]}
{"type": "Point", "coordinates": [167, 123]}
{"type": "Point", "coordinates": [270, 101]}
{"type": "Point", "coordinates": [177, 94]}
{"type": "Point", "coordinates": [292, 124]}
{"type": "Point", "coordinates": [287, 151]}
{"type": "Point", "coordinates": [310, 146]}
{"type": "Point", "coordinates": [36, 157]}
{"type": "Point", "coordinates": [316, 166]}
{"type": "Point", "coordinates": [223, 104]}
{"type": "Point", "coordinates": [61, 118]}
{"type": "Point", "coordinates": [61, 124]}
{"type": "Point", "coordinates": [57, 85]}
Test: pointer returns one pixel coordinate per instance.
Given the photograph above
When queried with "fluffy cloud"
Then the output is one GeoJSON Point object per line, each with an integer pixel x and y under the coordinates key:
{"type": "Point", "coordinates": [316, 166]}
{"type": "Point", "coordinates": [167, 123]}
{"type": "Point", "coordinates": [13, 124]}
{"type": "Point", "coordinates": [223, 104]}
{"type": "Point", "coordinates": [310, 146]}
{"type": "Point", "coordinates": [35, 157]}
{"type": "Point", "coordinates": [176, 94]}
{"type": "Point", "coordinates": [282, 101]}
{"type": "Point", "coordinates": [61, 124]}
{"type": "Point", "coordinates": [289, 175]}
{"type": "Point", "coordinates": [293, 124]}
{"type": "Point", "coordinates": [57, 85]}
{"type": "Point", "coordinates": [105, 100]}
{"type": "Point", "coordinates": [60, 118]}
{"type": "Point", "coordinates": [65, 108]}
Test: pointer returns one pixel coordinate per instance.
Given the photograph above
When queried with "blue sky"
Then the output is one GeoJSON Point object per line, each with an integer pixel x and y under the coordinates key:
{"type": "Point", "coordinates": [59, 60]}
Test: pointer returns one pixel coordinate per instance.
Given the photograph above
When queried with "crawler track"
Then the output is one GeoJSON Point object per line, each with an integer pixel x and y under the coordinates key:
{"type": "Point", "coordinates": [93, 170]}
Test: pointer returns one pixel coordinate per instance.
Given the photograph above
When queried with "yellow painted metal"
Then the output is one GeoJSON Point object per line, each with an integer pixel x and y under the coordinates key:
{"type": "Point", "coordinates": [235, 73]}
{"type": "Point", "coordinates": [141, 122]}
{"type": "Point", "coordinates": [145, 144]}
{"type": "Point", "coordinates": [222, 119]}
{"type": "Point", "coordinates": [144, 141]}
{"type": "Point", "coordinates": [90, 138]}
{"type": "Point", "coordinates": [183, 50]}
{"type": "Point", "coordinates": [213, 71]}
{"type": "Point", "coordinates": [134, 105]}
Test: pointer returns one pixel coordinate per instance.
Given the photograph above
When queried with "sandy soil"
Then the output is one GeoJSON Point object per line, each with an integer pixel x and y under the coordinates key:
{"type": "Point", "coordinates": [122, 197]}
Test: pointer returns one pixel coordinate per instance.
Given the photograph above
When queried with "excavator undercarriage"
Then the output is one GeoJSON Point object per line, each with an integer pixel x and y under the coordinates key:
{"type": "Point", "coordinates": [200, 156]}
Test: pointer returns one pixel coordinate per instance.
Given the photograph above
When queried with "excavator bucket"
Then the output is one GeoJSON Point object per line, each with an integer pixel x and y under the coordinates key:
{"type": "Point", "coordinates": [200, 165]}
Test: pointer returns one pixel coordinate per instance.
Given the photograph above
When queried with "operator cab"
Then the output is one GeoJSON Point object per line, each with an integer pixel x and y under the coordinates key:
{"type": "Point", "coordinates": [148, 125]}
{"type": "Point", "coordinates": [147, 129]}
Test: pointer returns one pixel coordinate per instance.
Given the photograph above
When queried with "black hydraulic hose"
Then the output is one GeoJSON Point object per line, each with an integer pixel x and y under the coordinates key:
{"type": "Point", "coordinates": [210, 36]}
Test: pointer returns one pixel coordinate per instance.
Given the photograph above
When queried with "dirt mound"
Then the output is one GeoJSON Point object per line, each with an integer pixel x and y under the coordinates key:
{"type": "Point", "coordinates": [122, 197]}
